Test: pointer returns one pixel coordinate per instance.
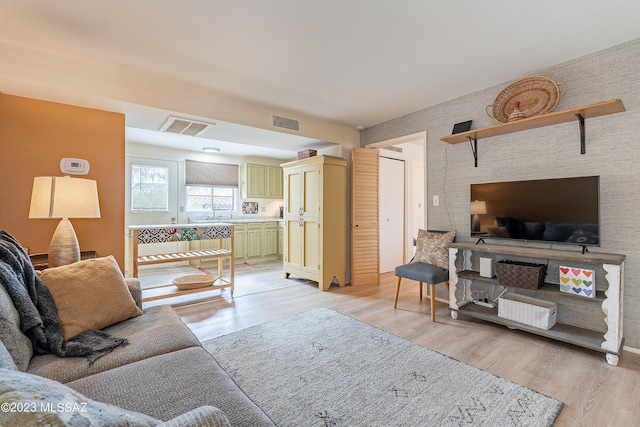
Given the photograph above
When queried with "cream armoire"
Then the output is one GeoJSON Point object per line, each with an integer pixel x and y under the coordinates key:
{"type": "Point", "coordinates": [315, 219]}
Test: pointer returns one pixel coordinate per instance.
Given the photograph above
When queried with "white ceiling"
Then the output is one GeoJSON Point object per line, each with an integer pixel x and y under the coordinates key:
{"type": "Point", "coordinates": [350, 62]}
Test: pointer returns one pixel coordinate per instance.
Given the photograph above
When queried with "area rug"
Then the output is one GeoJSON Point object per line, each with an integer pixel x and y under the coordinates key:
{"type": "Point", "coordinates": [323, 368]}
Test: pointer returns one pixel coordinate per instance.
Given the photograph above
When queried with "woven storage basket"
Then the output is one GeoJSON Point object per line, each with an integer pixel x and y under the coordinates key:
{"type": "Point", "coordinates": [536, 95]}
{"type": "Point", "coordinates": [530, 311]}
{"type": "Point", "coordinates": [194, 281]}
{"type": "Point", "coordinates": [306, 154]}
{"type": "Point", "coordinates": [520, 274]}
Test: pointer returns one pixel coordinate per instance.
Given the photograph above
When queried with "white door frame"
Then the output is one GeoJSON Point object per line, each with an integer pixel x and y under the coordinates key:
{"type": "Point", "coordinates": [419, 138]}
{"type": "Point", "coordinates": [391, 197]}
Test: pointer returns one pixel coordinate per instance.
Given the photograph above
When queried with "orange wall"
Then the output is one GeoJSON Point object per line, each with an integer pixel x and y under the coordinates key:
{"type": "Point", "coordinates": [34, 136]}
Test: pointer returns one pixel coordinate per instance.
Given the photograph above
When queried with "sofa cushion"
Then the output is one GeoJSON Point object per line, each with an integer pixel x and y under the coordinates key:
{"type": "Point", "coordinates": [6, 361]}
{"type": "Point", "coordinates": [420, 272]}
{"type": "Point", "coordinates": [90, 294]}
{"type": "Point", "coordinates": [16, 343]}
{"type": "Point", "coordinates": [159, 330]}
{"type": "Point", "coordinates": [515, 227]}
{"type": "Point", "coordinates": [497, 232]}
{"type": "Point", "coordinates": [205, 416]}
{"type": "Point", "coordinates": [40, 401]}
{"type": "Point", "coordinates": [167, 385]}
{"type": "Point", "coordinates": [582, 237]}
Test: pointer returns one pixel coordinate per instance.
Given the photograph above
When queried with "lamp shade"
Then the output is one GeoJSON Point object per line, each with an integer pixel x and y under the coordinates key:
{"type": "Point", "coordinates": [478, 208]}
{"type": "Point", "coordinates": [64, 197]}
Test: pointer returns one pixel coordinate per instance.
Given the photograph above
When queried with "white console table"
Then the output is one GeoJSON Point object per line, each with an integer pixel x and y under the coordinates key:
{"type": "Point", "coordinates": [608, 300]}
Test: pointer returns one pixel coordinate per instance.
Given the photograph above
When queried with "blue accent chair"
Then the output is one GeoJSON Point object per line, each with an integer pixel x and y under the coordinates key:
{"type": "Point", "coordinates": [423, 273]}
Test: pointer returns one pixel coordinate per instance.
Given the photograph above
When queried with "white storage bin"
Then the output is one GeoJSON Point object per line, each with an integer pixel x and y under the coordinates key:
{"type": "Point", "coordinates": [530, 311]}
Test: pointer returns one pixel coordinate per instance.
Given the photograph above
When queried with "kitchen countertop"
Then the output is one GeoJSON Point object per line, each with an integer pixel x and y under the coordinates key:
{"type": "Point", "coordinates": [209, 223]}
{"type": "Point", "coordinates": [237, 220]}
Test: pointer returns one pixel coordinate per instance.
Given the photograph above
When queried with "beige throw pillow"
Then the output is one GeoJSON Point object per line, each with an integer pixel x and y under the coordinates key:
{"type": "Point", "coordinates": [433, 248]}
{"type": "Point", "coordinates": [90, 294]}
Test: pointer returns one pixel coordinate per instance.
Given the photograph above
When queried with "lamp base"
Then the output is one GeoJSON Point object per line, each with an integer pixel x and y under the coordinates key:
{"type": "Point", "coordinates": [475, 223]}
{"type": "Point", "coordinates": [64, 248]}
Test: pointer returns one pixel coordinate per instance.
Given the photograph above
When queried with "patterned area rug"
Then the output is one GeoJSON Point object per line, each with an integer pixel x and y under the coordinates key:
{"type": "Point", "coordinates": [322, 368]}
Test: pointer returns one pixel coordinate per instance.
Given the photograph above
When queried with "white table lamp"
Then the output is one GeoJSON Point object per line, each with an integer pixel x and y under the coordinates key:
{"type": "Point", "coordinates": [64, 197]}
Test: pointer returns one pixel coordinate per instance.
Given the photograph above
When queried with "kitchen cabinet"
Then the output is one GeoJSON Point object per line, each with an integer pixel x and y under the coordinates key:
{"type": "Point", "coordinates": [270, 239]}
{"type": "Point", "coordinates": [255, 239]}
{"type": "Point", "coordinates": [274, 182]}
{"type": "Point", "coordinates": [240, 241]}
{"type": "Point", "coordinates": [261, 181]}
{"type": "Point", "coordinates": [252, 239]}
{"type": "Point", "coordinates": [315, 215]}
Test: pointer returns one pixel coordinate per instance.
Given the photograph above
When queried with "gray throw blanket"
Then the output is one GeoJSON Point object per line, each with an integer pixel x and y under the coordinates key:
{"type": "Point", "coordinates": [38, 314]}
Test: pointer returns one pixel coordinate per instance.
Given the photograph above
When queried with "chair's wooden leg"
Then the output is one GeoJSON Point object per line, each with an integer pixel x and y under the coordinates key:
{"type": "Point", "coordinates": [447, 283]}
{"type": "Point", "coordinates": [433, 301]}
{"type": "Point", "coordinates": [395, 301]}
{"type": "Point", "coordinates": [421, 286]}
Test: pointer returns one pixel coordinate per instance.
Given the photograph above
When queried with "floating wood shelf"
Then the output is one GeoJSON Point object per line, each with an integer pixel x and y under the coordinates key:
{"type": "Point", "coordinates": [589, 111]}
{"type": "Point", "coordinates": [580, 113]}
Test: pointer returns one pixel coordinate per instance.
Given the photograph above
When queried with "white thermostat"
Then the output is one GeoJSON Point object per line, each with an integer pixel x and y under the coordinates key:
{"type": "Point", "coordinates": [74, 166]}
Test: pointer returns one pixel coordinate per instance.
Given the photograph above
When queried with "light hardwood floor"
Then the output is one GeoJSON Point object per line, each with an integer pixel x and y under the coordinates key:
{"type": "Point", "coordinates": [594, 393]}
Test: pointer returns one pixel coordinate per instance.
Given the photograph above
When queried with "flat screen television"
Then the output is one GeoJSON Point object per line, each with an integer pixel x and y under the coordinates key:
{"type": "Point", "coordinates": [562, 210]}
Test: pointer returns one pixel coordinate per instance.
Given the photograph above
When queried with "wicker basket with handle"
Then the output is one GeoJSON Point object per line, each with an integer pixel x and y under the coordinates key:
{"type": "Point", "coordinates": [520, 274]}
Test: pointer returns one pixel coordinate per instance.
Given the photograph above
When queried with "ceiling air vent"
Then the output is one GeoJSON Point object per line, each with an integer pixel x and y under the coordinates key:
{"type": "Point", "coordinates": [184, 126]}
{"type": "Point", "coordinates": [283, 122]}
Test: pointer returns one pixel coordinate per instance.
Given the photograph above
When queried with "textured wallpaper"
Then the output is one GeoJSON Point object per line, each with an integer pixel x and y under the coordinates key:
{"type": "Point", "coordinates": [612, 151]}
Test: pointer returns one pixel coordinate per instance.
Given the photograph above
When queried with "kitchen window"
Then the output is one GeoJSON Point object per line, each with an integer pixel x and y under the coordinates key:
{"type": "Point", "coordinates": [210, 187]}
{"type": "Point", "coordinates": [210, 199]}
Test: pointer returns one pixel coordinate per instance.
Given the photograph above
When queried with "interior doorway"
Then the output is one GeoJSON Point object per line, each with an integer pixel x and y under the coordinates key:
{"type": "Point", "coordinates": [391, 191]}
{"type": "Point", "coordinates": [412, 150]}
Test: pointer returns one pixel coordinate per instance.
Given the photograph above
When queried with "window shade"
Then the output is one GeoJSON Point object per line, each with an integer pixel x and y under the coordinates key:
{"type": "Point", "coordinates": [211, 174]}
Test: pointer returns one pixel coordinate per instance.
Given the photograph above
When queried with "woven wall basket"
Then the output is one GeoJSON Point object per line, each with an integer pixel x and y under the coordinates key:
{"type": "Point", "coordinates": [536, 95]}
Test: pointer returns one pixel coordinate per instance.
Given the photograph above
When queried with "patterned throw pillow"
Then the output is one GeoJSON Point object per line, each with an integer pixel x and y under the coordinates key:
{"type": "Point", "coordinates": [30, 400]}
{"type": "Point", "coordinates": [433, 248]}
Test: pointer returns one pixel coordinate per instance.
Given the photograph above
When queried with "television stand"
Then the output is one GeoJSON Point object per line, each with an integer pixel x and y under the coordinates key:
{"type": "Point", "coordinates": [593, 323]}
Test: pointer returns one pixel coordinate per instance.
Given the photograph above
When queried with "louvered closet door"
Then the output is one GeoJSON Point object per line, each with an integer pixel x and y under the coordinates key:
{"type": "Point", "coordinates": [365, 257]}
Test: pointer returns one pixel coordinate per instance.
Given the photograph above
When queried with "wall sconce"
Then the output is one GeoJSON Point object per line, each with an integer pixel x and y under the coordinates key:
{"type": "Point", "coordinates": [64, 197]}
{"type": "Point", "coordinates": [477, 208]}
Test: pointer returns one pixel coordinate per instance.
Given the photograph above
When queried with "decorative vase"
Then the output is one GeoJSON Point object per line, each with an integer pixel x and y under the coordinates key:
{"type": "Point", "coordinates": [517, 114]}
